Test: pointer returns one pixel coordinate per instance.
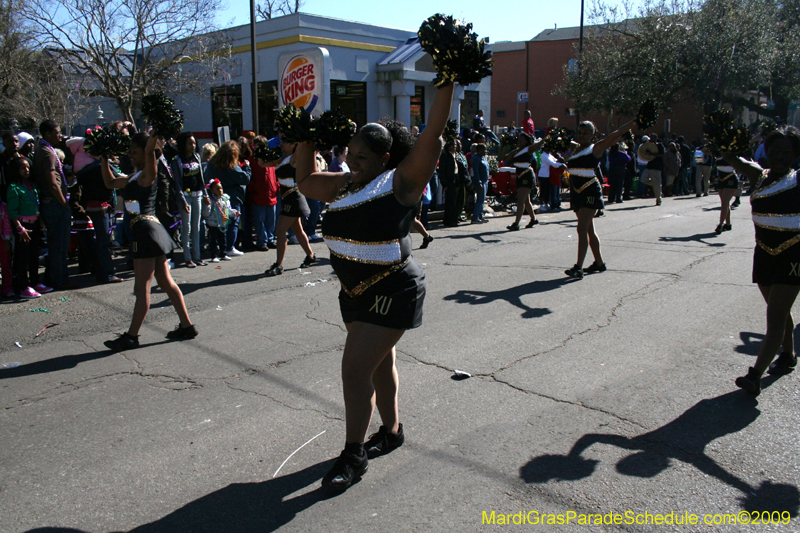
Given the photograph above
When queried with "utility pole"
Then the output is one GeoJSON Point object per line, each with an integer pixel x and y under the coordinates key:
{"type": "Point", "coordinates": [255, 65]}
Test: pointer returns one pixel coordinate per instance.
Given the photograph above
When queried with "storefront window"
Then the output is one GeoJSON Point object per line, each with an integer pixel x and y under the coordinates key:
{"type": "Point", "coordinates": [267, 107]}
{"type": "Point", "coordinates": [226, 109]}
{"type": "Point", "coordinates": [418, 106]}
{"type": "Point", "coordinates": [351, 98]}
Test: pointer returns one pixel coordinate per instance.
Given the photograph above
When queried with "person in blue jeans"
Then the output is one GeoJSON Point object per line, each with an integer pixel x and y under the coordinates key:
{"type": "Point", "coordinates": [480, 179]}
{"type": "Point", "coordinates": [49, 177]}
{"type": "Point", "coordinates": [225, 167]}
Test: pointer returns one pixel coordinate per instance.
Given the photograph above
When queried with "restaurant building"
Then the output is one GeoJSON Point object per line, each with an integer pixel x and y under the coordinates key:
{"type": "Point", "coordinates": [322, 63]}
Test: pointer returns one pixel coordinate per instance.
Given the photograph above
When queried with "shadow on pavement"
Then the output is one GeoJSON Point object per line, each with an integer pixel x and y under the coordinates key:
{"type": "Point", "coordinates": [751, 342]}
{"type": "Point", "coordinates": [698, 237]}
{"type": "Point", "coordinates": [477, 236]}
{"type": "Point", "coordinates": [512, 295]}
{"type": "Point", "coordinates": [684, 439]}
{"type": "Point", "coordinates": [63, 362]}
{"type": "Point", "coordinates": [240, 507]}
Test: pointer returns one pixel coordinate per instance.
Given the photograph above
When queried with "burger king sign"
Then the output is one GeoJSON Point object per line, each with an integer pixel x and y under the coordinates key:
{"type": "Point", "coordinates": [304, 79]}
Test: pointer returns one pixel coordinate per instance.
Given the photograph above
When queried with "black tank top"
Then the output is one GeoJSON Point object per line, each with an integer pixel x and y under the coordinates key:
{"type": "Point", "coordinates": [774, 210]}
{"type": "Point", "coordinates": [367, 232]}
{"type": "Point", "coordinates": [146, 196]}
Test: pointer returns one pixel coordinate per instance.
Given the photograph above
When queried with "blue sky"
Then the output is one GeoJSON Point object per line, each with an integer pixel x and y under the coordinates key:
{"type": "Point", "coordinates": [498, 20]}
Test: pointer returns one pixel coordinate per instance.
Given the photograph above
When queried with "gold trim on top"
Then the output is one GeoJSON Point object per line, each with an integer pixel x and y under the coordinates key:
{"type": "Point", "coordinates": [776, 215]}
{"type": "Point", "coordinates": [365, 243]}
{"type": "Point", "coordinates": [755, 195]}
{"type": "Point", "coordinates": [357, 204]}
{"type": "Point", "coordinates": [773, 228]}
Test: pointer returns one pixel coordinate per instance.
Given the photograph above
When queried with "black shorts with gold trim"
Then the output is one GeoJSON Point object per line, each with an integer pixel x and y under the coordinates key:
{"type": "Point", "coordinates": [783, 268]}
{"type": "Point", "coordinates": [585, 192]}
{"type": "Point", "coordinates": [525, 178]}
{"type": "Point", "coordinates": [393, 302]}
{"type": "Point", "coordinates": [294, 204]}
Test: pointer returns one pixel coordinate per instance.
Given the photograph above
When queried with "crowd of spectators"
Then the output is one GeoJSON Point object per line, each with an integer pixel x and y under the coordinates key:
{"type": "Point", "coordinates": [219, 202]}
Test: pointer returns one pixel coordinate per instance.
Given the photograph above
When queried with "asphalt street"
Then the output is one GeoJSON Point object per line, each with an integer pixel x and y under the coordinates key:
{"type": "Point", "coordinates": [609, 395]}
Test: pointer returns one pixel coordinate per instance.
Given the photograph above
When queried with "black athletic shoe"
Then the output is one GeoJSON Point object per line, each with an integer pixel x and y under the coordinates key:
{"type": "Point", "coordinates": [727, 227]}
{"type": "Point", "coordinates": [122, 343]}
{"type": "Point", "coordinates": [347, 469]}
{"type": "Point", "coordinates": [751, 382]}
{"type": "Point", "coordinates": [513, 227]}
{"type": "Point", "coordinates": [719, 229]}
{"type": "Point", "coordinates": [784, 364]}
{"type": "Point", "coordinates": [426, 241]}
{"type": "Point", "coordinates": [179, 333]}
{"type": "Point", "coordinates": [532, 223]}
{"type": "Point", "coordinates": [274, 270]}
{"type": "Point", "coordinates": [383, 442]}
{"type": "Point", "coordinates": [309, 260]}
{"type": "Point", "coordinates": [736, 203]}
{"type": "Point", "coordinates": [575, 272]}
{"type": "Point", "coordinates": [594, 267]}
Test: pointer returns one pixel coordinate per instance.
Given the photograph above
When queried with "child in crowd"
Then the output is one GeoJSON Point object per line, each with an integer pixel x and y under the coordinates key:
{"type": "Point", "coordinates": [6, 235]}
{"type": "Point", "coordinates": [480, 179]}
{"type": "Point", "coordinates": [217, 214]}
{"type": "Point", "coordinates": [23, 209]}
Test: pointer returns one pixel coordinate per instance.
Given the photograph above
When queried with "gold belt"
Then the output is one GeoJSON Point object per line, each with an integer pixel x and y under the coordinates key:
{"type": "Point", "coordinates": [585, 185]}
{"type": "Point", "coordinates": [359, 289]}
{"type": "Point", "coordinates": [287, 193]}
{"type": "Point", "coordinates": [139, 218]}
{"type": "Point", "coordinates": [778, 249]}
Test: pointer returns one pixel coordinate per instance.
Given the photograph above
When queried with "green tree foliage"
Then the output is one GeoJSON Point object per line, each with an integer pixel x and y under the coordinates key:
{"type": "Point", "coordinates": [712, 51]}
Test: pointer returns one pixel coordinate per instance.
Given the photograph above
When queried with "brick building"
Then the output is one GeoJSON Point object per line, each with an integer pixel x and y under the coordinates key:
{"type": "Point", "coordinates": [537, 67]}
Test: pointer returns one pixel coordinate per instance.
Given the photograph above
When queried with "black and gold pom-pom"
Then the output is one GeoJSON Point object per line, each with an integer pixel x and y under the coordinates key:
{"type": "Point", "coordinates": [450, 131]}
{"type": "Point", "coordinates": [457, 52]}
{"type": "Point", "coordinates": [160, 112]}
{"type": "Point", "coordinates": [294, 124]}
{"type": "Point", "coordinates": [558, 140]}
{"type": "Point", "coordinates": [106, 143]}
{"type": "Point", "coordinates": [647, 115]}
{"type": "Point", "coordinates": [766, 127]}
{"type": "Point", "coordinates": [333, 128]}
{"type": "Point", "coordinates": [265, 153]}
{"type": "Point", "coordinates": [720, 128]}
{"type": "Point", "coordinates": [508, 140]}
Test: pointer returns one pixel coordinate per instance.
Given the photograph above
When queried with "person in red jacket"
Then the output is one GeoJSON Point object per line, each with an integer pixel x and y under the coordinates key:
{"type": "Point", "coordinates": [262, 193]}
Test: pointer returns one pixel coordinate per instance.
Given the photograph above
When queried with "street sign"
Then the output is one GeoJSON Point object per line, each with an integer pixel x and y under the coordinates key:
{"type": "Point", "coordinates": [522, 97]}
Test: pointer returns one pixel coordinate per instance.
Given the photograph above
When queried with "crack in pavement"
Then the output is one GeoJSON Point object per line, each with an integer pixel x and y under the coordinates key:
{"type": "Point", "coordinates": [65, 388]}
{"type": "Point", "coordinates": [286, 405]}
{"type": "Point", "coordinates": [315, 302]}
{"type": "Point", "coordinates": [666, 280]}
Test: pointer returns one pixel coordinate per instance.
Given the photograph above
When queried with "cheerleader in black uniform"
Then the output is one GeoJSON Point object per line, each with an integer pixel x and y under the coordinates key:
{"type": "Point", "coordinates": [367, 230]}
{"type": "Point", "coordinates": [521, 160]}
{"type": "Point", "coordinates": [728, 187]}
{"type": "Point", "coordinates": [586, 193]}
{"type": "Point", "coordinates": [776, 262]}
{"type": "Point", "coordinates": [294, 208]}
{"type": "Point", "coordinates": [149, 244]}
